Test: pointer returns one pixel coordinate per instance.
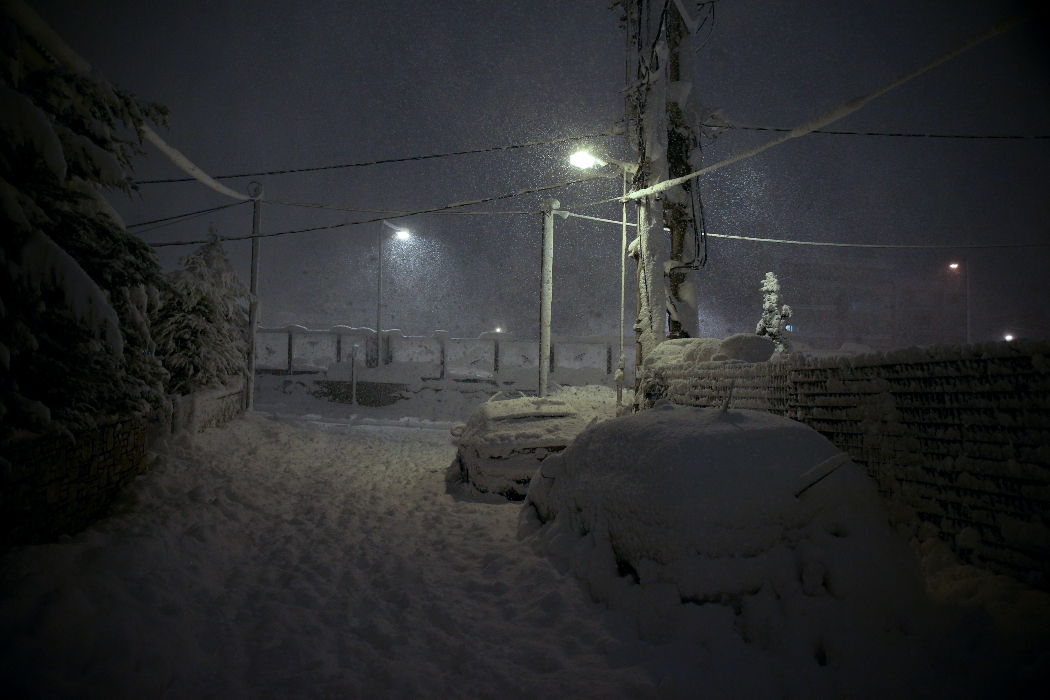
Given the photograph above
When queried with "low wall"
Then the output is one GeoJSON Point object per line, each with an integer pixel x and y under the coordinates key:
{"type": "Point", "coordinates": [207, 409]}
{"type": "Point", "coordinates": [54, 485]}
{"type": "Point", "coordinates": [57, 486]}
{"type": "Point", "coordinates": [957, 439]}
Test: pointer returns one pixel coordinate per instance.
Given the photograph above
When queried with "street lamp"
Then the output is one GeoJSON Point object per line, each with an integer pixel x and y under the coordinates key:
{"type": "Point", "coordinates": [584, 160]}
{"type": "Point", "coordinates": [965, 271]}
{"type": "Point", "coordinates": [403, 235]}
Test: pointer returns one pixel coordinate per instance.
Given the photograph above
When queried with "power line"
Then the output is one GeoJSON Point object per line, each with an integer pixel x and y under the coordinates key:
{"type": "Point", "coordinates": [834, 115]}
{"type": "Point", "coordinates": [181, 217]}
{"type": "Point", "coordinates": [433, 210]}
{"type": "Point", "coordinates": [390, 212]}
{"type": "Point", "coordinates": [881, 133]}
{"type": "Point", "coordinates": [611, 132]}
{"type": "Point", "coordinates": [566, 214]}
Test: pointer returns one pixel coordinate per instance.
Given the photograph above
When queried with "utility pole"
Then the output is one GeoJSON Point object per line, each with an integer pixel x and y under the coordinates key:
{"type": "Point", "coordinates": [255, 190]}
{"type": "Point", "coordinates": [546, 294]}
{"type": "Point", "coordinates": [678, 216]}
{"type": "Point", "coordinates": [646, 113]}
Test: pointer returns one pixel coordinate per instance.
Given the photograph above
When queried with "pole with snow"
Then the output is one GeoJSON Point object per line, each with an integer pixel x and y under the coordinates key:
{"type": "Point", "coordinates": [255, 190]}
{"type": "Point", "coordinates": [546, 292]}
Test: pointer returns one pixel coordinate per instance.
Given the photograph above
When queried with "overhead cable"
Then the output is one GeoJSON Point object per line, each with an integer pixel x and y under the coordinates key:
{"type": "Point", "coordinates": [182, 217]}
{"type": "Point", "coordinates": [395, 212]}
{"type": "Point", "coordinates": [834, 115]}
{"type": "Point", "coordinates": [565, 214]}
{"type": "Point", "coordinates": [433, 210]}
{"type": "Point", "coordinates": [882, 133]}
{"type": "Point", "coordinates": [611, 132]}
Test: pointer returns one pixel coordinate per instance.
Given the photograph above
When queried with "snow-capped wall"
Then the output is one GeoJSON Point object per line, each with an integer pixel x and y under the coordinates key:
{"type": "Point", "coordinates": [957, 438]}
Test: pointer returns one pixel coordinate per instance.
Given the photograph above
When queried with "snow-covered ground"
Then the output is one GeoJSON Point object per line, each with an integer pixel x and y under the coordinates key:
{"type": "Point", "coordinates": [328, 558]}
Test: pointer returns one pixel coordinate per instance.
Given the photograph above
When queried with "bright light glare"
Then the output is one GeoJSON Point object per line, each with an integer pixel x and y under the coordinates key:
{"type": "Point", "coordinates": [583, 159]}
{"type": "Point", "coordinates": [1008, 337]}
{"type": "Point", "coordinates": [403, 235]}
{"type": "Point", "coordinates": [498, 329]}
{"type": "Point", "coordinates": [954, 266]}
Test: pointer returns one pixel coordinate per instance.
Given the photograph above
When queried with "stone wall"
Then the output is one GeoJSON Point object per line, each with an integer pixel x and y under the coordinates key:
{"type": "Point", "coordinates": [207, 409]}
{"type": "Point", "coordinates": [54, 486]}
{"type": "Point", "coordinates": [957, 439]}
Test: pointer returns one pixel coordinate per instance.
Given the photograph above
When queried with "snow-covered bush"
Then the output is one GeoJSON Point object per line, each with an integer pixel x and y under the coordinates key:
{"type": "Point", "coordinates": [201, 329]}
{"type": "Point", "coordinates": [773, 318]}
{"type": "Point", "coordinates": [76, 287]}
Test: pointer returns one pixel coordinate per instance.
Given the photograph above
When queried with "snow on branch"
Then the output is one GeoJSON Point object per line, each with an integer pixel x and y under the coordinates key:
{"type": "Point", "coordinates": [43, 262]}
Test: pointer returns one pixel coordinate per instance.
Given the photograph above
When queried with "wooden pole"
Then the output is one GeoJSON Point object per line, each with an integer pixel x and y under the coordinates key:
{"type": "Point", "coordinates": [677, 215]}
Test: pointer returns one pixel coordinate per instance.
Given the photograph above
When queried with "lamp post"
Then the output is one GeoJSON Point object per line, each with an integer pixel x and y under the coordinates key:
{"type": "Point", "coordinates": [403, 235]}
{"type": "Point", "coordinates": [583, 159]}
{"type": "Point", "coordinates": [966, 272]}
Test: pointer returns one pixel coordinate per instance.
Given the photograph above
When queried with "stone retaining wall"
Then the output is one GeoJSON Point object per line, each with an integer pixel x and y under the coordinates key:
{"type": "Point", "coordinates": [52, 486]}
{"type": "Point", "coordinates": [55, 486]}
{"type": "Point", "coordinates": [957, 439]}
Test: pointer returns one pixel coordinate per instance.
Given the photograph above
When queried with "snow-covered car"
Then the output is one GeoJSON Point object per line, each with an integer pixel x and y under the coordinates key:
{"type": "Point", "coordinates": [505, 441]}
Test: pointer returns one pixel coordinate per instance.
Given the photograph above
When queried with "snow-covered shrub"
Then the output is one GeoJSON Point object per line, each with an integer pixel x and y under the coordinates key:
{"type": "Point", "coordinates": [76, 287]}
{"type": "Point", "coordinates": [773, 318]}
{"type": "Point", "coordinates": [201, 329]}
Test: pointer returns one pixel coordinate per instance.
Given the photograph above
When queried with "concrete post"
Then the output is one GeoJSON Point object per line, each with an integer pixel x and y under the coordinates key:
{"type": "Point", "coordinates": [546, 293]}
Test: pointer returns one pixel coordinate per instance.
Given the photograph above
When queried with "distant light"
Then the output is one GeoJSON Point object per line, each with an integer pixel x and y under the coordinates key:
{"type": "Point", "coordinates": [789, 328]}
{"type": "Point", "coordinates": [403, 235]}
{"type": "Point", "coordinates": [583, 159]}
{"type": "Point", "coordinates": [498, 329]}
{"type": "Point", "coordinates": [1008, 337]}
{"type": "Point", "coordinates": [954, 266]}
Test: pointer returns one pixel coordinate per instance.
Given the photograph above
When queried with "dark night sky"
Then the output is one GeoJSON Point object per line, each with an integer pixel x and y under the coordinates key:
{"type": "Point", "coordinates": [267, 85]}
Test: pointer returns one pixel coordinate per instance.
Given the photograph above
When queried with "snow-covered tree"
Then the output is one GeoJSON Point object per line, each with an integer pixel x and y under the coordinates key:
{"type": "Point", "coordinates": [774, 316]}
{"type": "Point", "coordinates": [76, 287]}
{"type": "Point", "coordinates": [201, 329]}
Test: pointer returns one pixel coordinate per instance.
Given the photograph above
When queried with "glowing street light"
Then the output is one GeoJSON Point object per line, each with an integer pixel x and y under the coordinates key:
{"type": "Point", "coordinates": [966, 271]}
{"type": "Point", "coordinates": [403, 235]}
{"type": "Point", "coordinates": [584, 160]}
{"type": "Point", "coordinates": [1008, 337]}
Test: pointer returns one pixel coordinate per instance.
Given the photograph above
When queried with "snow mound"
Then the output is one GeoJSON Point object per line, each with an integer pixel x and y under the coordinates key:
{"type": "Point", "coordinates": [675, 512]}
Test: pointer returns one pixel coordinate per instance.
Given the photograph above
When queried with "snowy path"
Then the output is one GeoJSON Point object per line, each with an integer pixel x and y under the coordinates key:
{"type": "Point", "coordinates": [267, 560]}
{"type": "Point", "coordinates": [271, 560]}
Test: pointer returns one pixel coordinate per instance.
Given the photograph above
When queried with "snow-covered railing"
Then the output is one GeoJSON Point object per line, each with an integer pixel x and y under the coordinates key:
{"type": "Point", "coordinates": [957, 438]}
{"type": "Point", "coordinates": [495, 357]}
